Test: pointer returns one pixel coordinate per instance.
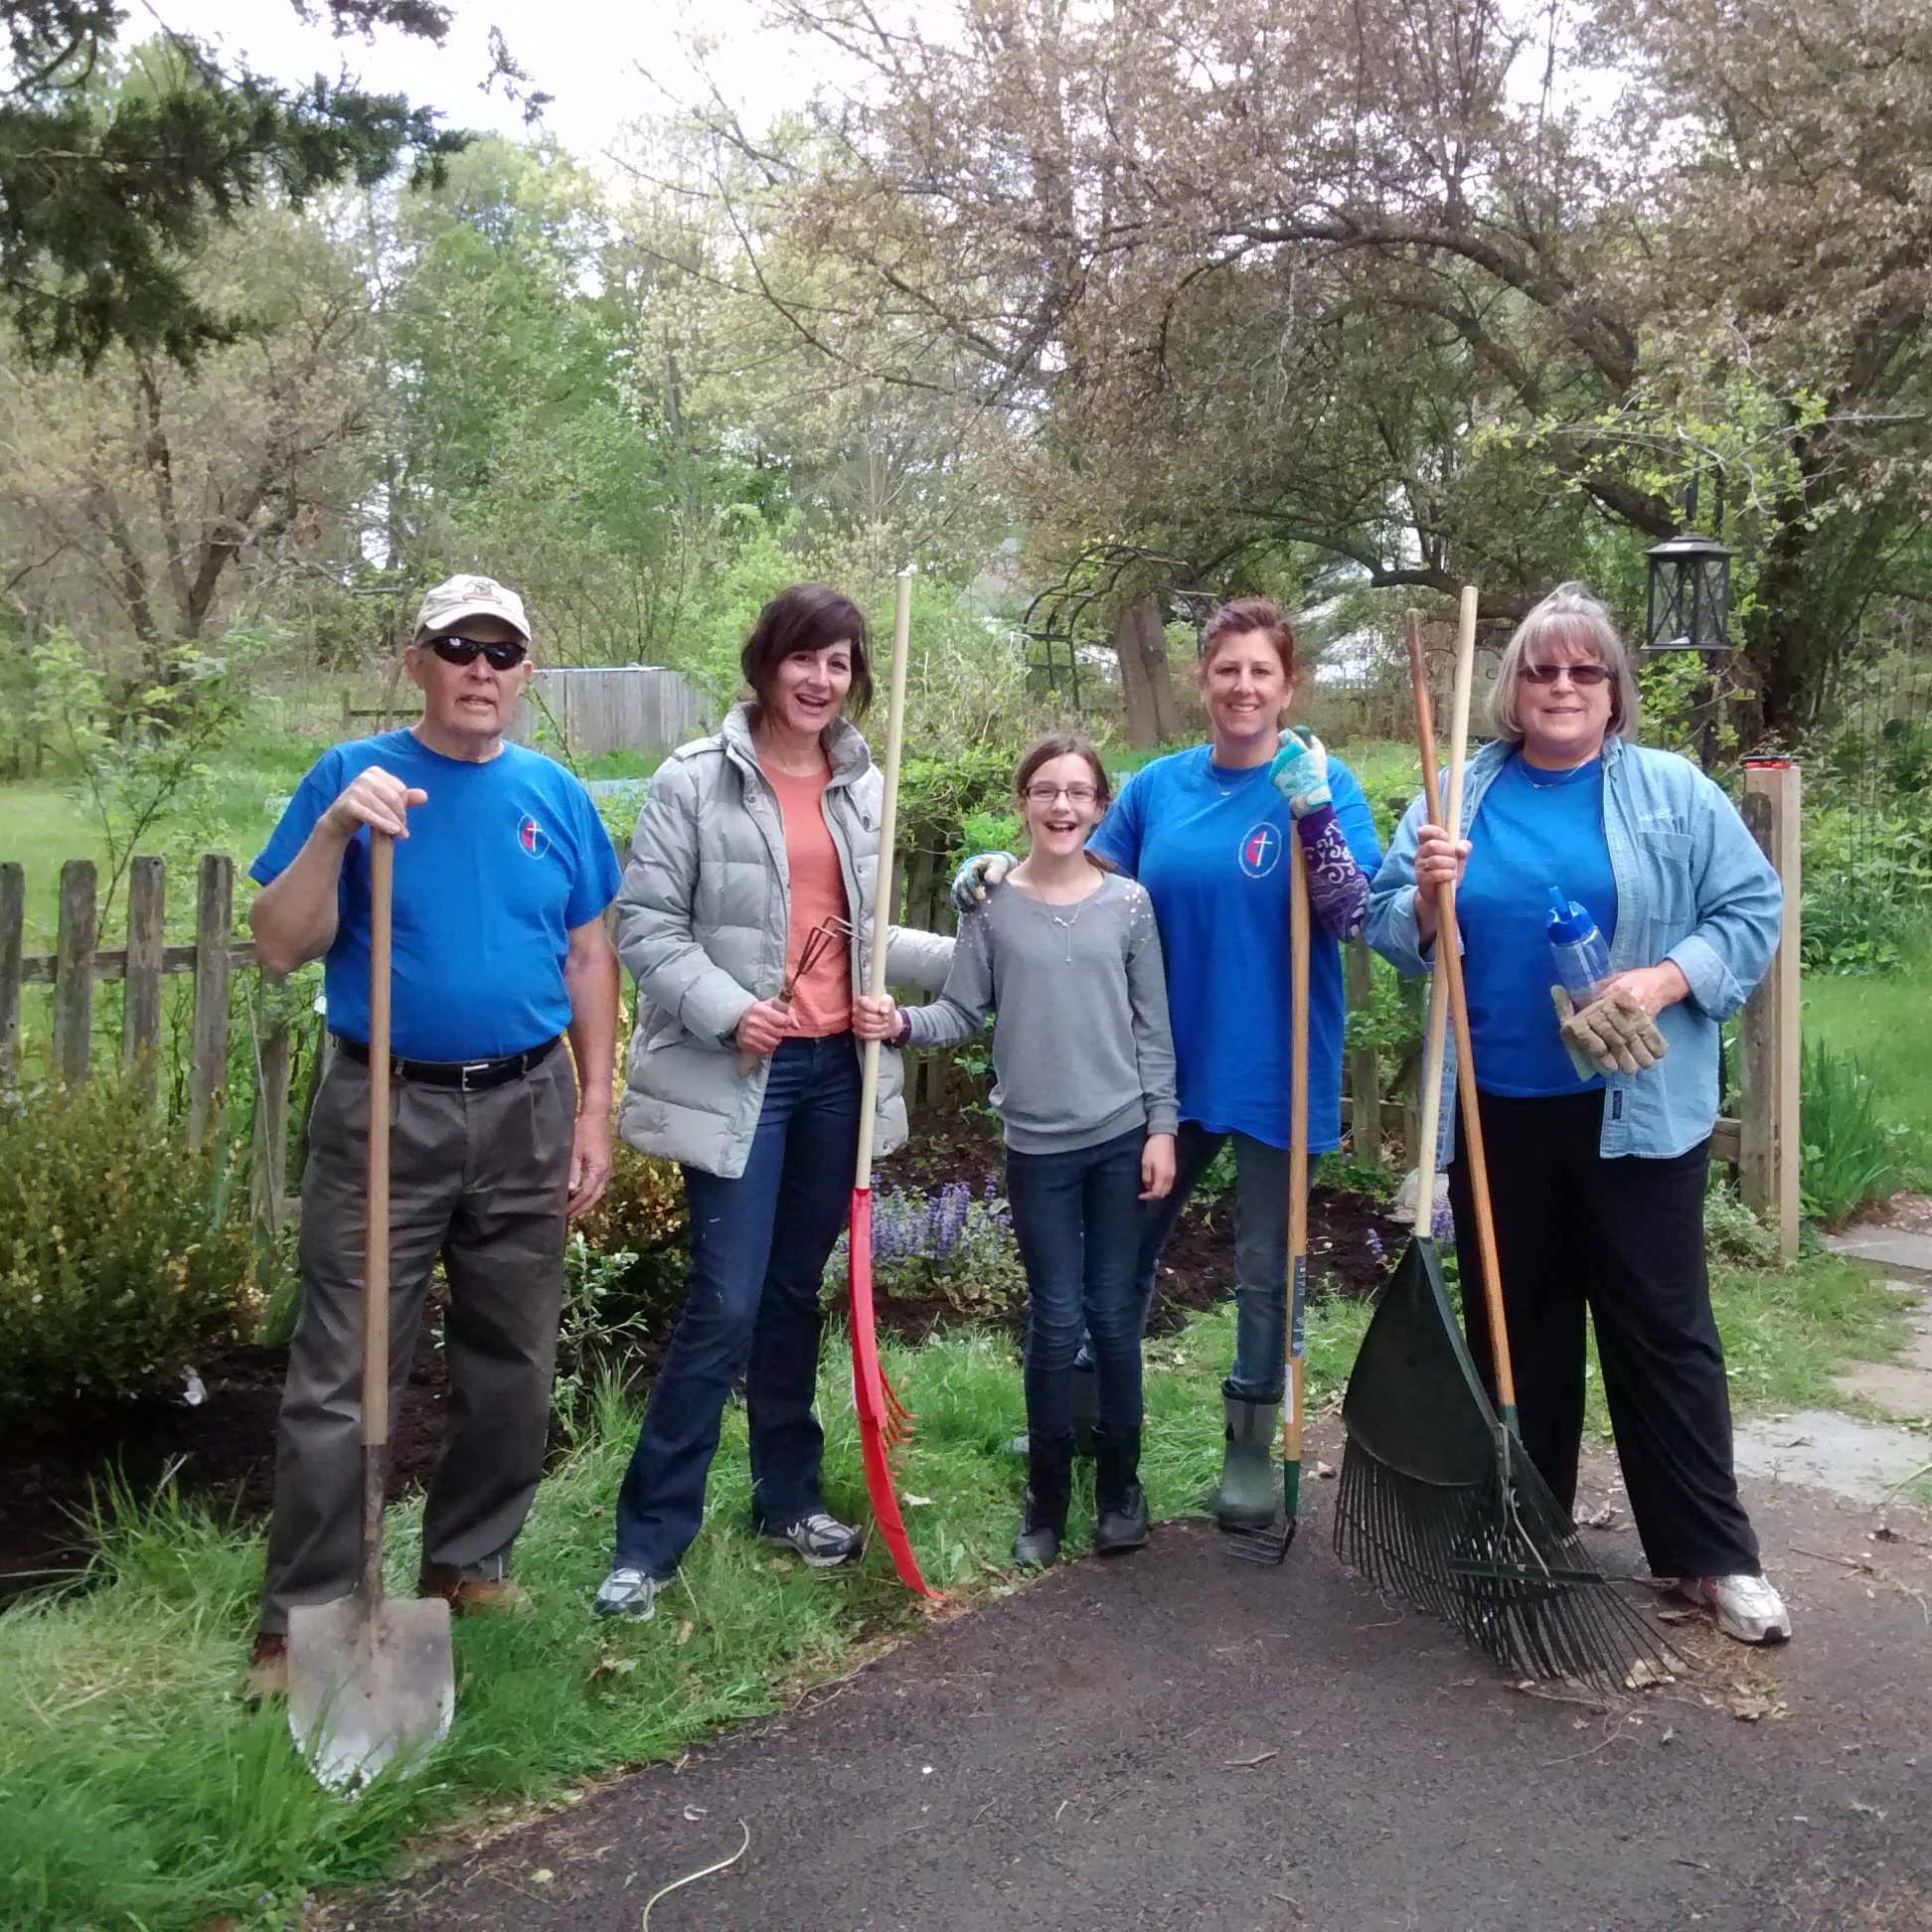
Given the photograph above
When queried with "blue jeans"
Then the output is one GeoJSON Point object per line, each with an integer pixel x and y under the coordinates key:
{"type": "Point", "coordinates": [758, 1249]}
{"type": "Point", "coordinates": [1076, 1219]}
{"type": "Point", "coordinates": [1260, 1371]}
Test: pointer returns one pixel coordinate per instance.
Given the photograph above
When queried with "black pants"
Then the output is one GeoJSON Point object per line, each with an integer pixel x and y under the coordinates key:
{"type": "Point", "coordinates": [1622, 1238]}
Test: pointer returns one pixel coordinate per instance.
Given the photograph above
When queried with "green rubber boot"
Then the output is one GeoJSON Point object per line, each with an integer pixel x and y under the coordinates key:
{"type": "Point", "coordinates": [1245, 1497]}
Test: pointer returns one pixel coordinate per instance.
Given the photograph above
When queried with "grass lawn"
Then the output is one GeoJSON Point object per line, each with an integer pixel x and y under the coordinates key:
{"type": "Point", "coordinates": [138, 1790]}
{"type": "Point", "coordinates": [1883, 1022]}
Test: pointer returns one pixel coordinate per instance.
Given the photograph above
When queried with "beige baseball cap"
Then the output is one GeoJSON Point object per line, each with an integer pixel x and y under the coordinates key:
{"type": "Point", "coordinates": [457, 598]}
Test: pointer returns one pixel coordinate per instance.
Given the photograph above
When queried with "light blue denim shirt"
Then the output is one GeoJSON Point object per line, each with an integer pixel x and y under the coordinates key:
{"type": "Point", "coordinates": [1693, 888]}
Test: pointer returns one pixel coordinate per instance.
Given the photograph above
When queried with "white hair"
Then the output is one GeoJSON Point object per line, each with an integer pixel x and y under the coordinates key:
{"type": "Point", "coordinates": [1568, 616]}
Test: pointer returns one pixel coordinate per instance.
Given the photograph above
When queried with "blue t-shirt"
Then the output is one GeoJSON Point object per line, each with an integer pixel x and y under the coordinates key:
{"type": "Point", "coordinates": [1210, 847]}
{"type": "Point", "coordinates": [1533, 830]}
{"type": "Point", "coordinates": [502, 860]}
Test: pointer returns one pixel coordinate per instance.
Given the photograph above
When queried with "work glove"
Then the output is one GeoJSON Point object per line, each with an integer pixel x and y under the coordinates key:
{"type": "Point", "coordinates": [978, 876]}
{"type": "Point", "coordinates": [1300, 771]}
{"type": "Point", "coordinates": [1612, 1035]}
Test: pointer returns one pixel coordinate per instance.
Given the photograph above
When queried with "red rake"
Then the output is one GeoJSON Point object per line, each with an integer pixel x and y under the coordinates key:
{"type": "Point", "coordinates": [883, 1420]}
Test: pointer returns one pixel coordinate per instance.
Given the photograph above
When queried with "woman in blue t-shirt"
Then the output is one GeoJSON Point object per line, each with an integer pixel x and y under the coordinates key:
{"type": "Point", "coordinates": [1204, 832]}
{"type": "Point", "coordinates": [1598, 1176]}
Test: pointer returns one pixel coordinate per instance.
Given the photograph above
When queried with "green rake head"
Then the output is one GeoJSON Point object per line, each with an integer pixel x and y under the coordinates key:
{"type": "Point", "coordinates": [1440, 1508]}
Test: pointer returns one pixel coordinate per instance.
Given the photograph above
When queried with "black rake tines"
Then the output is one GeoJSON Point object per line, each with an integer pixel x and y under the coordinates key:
{"type": "Point", "coordinates": [1499, 1563]}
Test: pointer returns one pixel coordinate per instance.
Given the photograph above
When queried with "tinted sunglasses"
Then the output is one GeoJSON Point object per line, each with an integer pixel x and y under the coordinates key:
{"type": "Point", "coordinates": [466, 650]}
{"type": "Point", "coordinates": [1585, 676]}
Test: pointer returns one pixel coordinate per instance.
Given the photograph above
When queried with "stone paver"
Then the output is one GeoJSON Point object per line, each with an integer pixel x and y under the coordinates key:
{"type": "Point", "coordinates": [1862, 1460]}
{"type": "Point", "coordinates": [1889, 1247]}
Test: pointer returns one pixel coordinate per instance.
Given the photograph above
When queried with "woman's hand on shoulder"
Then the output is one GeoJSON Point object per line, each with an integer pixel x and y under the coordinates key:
{"type": "Point", "coordinates": [876, 1015]}
{"type": "Point", "coordinates": [980, 874]}
{"type": "Point", "coordinates": [1157, 1167]}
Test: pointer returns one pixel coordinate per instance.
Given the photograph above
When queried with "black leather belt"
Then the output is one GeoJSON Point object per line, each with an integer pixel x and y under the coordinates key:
{"type": "Point", "coordinates": [471, 1076]}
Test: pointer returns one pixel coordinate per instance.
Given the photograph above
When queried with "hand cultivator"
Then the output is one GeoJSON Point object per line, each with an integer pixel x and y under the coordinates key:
{"type": "Point", "coordinates": [1439, 1504]}
{"type": "Point", "coordinates": [883, 1420]}
{"type": "Point", "coordinates": [830, 931]}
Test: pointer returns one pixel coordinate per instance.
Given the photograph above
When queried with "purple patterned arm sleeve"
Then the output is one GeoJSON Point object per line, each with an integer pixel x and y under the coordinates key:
{"type": "Point", "coordinates": [1337, 889]}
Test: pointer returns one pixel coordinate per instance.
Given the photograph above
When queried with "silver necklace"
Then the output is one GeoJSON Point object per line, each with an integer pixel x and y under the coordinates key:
{"type": "Point", "coordinates": [1069, 922]}
{"type": "Point", "coordinates": [1229, 788]}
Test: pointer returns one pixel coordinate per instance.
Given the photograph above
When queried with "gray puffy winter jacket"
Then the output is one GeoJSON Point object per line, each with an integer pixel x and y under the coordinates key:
{"type": "Point", "coordinates": [701, 920]}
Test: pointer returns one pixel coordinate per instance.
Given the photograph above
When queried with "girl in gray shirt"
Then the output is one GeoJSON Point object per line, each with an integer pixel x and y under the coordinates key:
{"type": "Point", "coordinates": [1069, 963]}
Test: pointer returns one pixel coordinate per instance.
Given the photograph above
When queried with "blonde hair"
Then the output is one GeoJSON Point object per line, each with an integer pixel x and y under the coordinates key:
{"type": "Point", "coordinates": [1569, 615]}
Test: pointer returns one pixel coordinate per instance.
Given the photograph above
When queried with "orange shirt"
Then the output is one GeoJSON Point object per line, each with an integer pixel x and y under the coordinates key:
{"type": "Point", "coordinates": [822, 1000]}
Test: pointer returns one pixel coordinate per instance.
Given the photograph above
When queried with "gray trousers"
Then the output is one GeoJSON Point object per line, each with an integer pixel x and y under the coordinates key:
{"type": "Point", "coordinates": [479, 1179]}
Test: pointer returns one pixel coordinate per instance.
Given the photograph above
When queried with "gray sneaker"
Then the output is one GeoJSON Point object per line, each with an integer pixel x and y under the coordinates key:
{"type": "Point", "coordinates": [820, 1538]}
{"type": "Point", "coordinates": [627, 1593]}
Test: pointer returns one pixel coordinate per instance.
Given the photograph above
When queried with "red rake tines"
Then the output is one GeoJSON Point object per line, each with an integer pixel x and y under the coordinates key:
{"type": "Point", "coordinates": [883, 1420]}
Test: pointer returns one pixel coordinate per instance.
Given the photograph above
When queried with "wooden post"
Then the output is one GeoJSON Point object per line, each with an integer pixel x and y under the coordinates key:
{"type": "Point", "coordinates": [207, 1058]}
{"type": "Point", "coordinates": [13, 928]}
{"type": "Point", "coordinates": [270, 1178]}
{"type": "Point", "coordinates": [1771, 1145]}
{"type": "Point", "coordinates": [1415, 1005]}
{"type": "Point", "coordinates": [1365, 1065]}
{"type": "Point", "coordinates": [147, 888]}
{"type": "Point", "coordinates": [73, 973]}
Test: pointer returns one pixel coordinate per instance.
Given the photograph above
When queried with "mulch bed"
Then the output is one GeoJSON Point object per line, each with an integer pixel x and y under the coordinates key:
{"type": "Point", "coordinates": [220, 1451]}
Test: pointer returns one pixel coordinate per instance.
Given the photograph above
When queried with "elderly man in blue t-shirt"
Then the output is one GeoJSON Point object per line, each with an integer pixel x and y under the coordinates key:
{"type": "Point", "coordinates": [503, 871]}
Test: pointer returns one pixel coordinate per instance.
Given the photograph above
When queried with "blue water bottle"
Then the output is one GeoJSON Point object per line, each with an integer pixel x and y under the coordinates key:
{"type": "Point", "coordinates": [1577, 954]}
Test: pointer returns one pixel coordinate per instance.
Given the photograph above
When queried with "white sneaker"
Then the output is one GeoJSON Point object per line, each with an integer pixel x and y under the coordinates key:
{"type": "Point", "coordinates": [1747, 1607]}
{"type": "Point", "coordinates": [627, 1593]}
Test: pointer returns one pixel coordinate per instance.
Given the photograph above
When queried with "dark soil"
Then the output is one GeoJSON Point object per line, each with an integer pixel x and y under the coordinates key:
{"type": "Point", "coordinates": [1352, 1244]}
{"type": "Point", "coordinates": [220, 1451]}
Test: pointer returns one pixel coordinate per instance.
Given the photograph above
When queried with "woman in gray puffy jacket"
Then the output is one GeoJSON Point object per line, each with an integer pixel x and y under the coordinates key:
{"type": "Point", "coordinates": [745, 917]}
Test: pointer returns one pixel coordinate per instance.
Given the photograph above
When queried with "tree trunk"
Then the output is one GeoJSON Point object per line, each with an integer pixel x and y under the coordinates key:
{"type": "Point", "coordinates": [1153, 718]}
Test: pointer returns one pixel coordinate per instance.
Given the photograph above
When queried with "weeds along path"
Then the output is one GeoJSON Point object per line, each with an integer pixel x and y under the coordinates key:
{"type": "Point", "coordinates": [1178, 1740]}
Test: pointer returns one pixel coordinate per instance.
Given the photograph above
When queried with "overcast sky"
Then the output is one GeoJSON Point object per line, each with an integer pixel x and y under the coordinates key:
{"type": "Point", "coordinates": [605, 61]}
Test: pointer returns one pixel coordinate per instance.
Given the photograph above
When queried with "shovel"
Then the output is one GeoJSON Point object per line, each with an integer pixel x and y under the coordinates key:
{"type": "Point", "coordinates": [370, 1681]}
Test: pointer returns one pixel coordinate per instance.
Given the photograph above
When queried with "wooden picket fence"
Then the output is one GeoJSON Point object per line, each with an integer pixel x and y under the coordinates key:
{"type": "Point", "coordinates": [1763, 1144]}
{"type": "Point", "coordinates": [78, 964]}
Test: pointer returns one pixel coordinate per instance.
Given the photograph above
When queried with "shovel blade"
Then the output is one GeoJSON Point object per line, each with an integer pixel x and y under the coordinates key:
{"type": "Point", "coordinates": [369, 1685]}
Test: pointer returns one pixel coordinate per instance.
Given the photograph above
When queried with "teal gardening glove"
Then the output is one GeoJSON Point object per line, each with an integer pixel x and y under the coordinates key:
{"type": "Point", "coordinates": [1300, 771]}
{"type": "Point", "coordinates": [978, 876]}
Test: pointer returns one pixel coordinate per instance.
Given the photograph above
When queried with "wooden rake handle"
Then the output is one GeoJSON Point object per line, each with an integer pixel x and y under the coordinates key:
{"type": "Point", "coordinates": [883, 878]}
{"type": "Point", "coordinates": [1449, 965]}
{"type": "Point", "coordinates": [1298, 945]}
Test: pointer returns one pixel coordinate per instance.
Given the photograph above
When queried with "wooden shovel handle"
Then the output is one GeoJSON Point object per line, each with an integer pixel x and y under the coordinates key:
{"type": "Point", "coordinates": [1449, 967]}
{"type": "Point", "coordinates": [376, 1239]}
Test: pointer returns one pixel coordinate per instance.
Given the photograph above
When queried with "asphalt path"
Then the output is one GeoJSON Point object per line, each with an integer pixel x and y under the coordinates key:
{"type": "Point", "coordinates": [1176, 1739]}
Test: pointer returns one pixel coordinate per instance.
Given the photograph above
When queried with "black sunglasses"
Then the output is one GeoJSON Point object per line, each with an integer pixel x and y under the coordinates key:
{"type": "Point", "coordinates": [466, 650]}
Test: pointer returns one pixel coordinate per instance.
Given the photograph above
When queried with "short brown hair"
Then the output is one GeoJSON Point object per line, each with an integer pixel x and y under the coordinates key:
{"type": "Point", "coordinates": [1241, 615]}
{"type": "Point", "coordinates": [806, 617]}
{"type": "Point", "coordinates": [1061, 744]}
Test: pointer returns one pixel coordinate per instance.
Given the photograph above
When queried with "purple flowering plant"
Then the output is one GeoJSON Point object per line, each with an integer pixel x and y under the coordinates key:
{"type": "Point", "coordinates": [950, 1242]}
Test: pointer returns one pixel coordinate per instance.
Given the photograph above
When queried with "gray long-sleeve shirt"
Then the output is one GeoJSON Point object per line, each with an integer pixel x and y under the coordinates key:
{"type": "Point", "coordinates": [1082, 1046]}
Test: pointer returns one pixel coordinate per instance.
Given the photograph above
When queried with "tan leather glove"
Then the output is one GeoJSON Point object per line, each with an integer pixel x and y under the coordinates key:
{"type": "Point", "coordinates": [1613, 1034]}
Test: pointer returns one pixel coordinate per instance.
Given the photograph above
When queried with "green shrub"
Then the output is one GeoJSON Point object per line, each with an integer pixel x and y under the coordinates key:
{"type": "Point", "coordinates": [1733, 1234]}
{"type": "Point", "coordinates": [1867, 891]}
{"type": "Point", "coordinates": [1850, 1154]}
{"type": "Point", "coordinates": [125, 1255]}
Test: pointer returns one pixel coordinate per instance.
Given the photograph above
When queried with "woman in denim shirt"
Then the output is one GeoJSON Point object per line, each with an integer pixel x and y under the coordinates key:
{"type": "Point", "coordinates": [1598, 1178]}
